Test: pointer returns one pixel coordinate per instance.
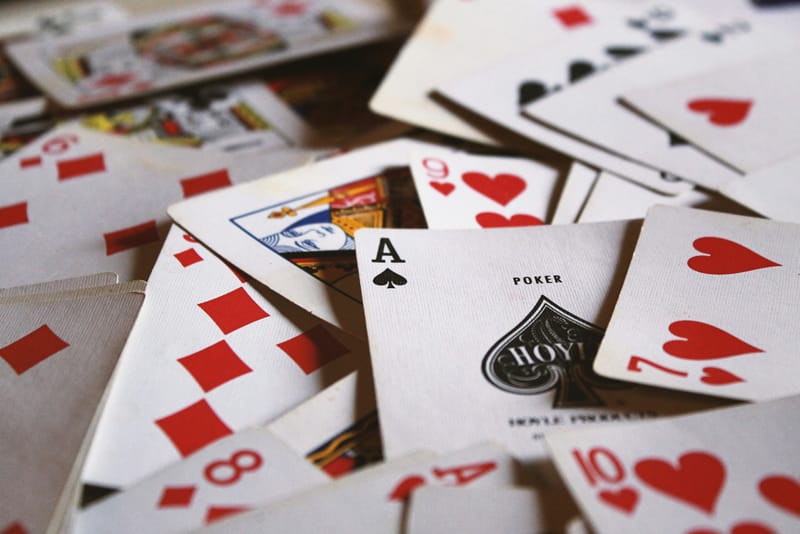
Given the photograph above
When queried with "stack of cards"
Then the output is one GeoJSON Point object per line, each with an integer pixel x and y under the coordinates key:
{"type": "Point", "coordinates": [505, 268]}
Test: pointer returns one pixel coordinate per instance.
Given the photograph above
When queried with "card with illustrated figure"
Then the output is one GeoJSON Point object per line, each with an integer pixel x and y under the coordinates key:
{"type": "Point", "coordinates": [169, 49]}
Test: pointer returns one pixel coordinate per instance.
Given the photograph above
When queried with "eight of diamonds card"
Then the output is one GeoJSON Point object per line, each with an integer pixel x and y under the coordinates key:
{"type": "Point", "coordinates": [732, 470]}
{"type": "Point", "coordinates": [182, 47]}
{"type": "Point", "coordinates": [491, 334]}
{"type": "Point", "coordinates": [709, 305]}
{"type": "Point", "coordinates": [294, 231]}
{"type": "Point", "coordinates": [213, 354]}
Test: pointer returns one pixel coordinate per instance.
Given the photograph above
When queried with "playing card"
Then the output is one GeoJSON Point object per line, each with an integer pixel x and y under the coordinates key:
{"type": "Point", "coordinates": [479, 510]}
{"type": "Point", "coordinates": [444, 46]}
{"type": "Point", "coordinates": [741, 114]}
{"type": "Point", "coordinates": [170, 49]}
{"type": "Point", "coordinates": [243, 471]}
{"type": "Point", "coordinates": [21, 122]}
{"type": "Point", "coordinates": [478, 334]}
{"type": "Point", "coordinates": [75, 201]}
{"type": "Point", "coordinates": [460, 190]}
{"type": "Point", "coordinates": [226, 117]}
{"type": "Point", "coordinates": [58, 352]}
{"type": "Point", "coordinates": [498, 90]}
{"type": "Point", "coordinates": [725, 287]}
{"type": "Point", "coordinates": [55, 20]}
{"type": "Point", "coordinates": [372, 500]}
{"type": "Point", "coordinates": [590, 109]}
{"type": "Point", "coordinates": [294, 231]}
{"type": "Point", "coordinates": [613, 199]}
{"type": "Point", "coordinates": [69, 284]}
{"type": "Point", "coordinates": [576, 189]}
{"type": "Point", "coordinates": [731, 470]}
{"type": "Point", "coordinates": [337, 429]}
{"type": "Point", "coordinates": [772, 191]}
{"type": "Point", "coordinates": [210, 354]}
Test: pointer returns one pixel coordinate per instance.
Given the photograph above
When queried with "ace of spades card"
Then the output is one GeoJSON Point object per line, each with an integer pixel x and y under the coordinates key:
{"type": "Point", "coordinates": [732, 470]}
{"type": "Point", "coordinates": [490, 334]}
{"type": "Point", "coordinates": [727, 290]}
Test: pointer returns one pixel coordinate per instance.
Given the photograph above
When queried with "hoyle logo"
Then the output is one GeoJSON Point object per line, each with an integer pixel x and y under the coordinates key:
{"type": "Point", "coordinates": [550, 349]}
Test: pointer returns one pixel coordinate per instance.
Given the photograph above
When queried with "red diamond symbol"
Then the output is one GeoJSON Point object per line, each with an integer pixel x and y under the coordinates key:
{"type": "Point", "coordinates": [572, 16]}
{"type": "Point", "coordinates": [32, 349]}
{"type": "Point", "coordinates": [215, 513]}
{"type": "Point", "coordinates": [176, 496]}
{"type": "Point", "coordinates": [313, 349]}
{"type": "Point", "coordinates": [14, 528]}
{"type": "Point", "coordinates": [33, 161]}
{"type": "Point", "coordinates": [188, 257]}
{"type": "Point", "coordinates": [214, 365]}
{"type": "Point", "coordinates": [233, 310]}
{"type": "Point", "coordinates": [196, 185]}
{"type": "Point", "coordinates": [193, 427]}
{"type": "Point", "coordinates": [77, 167]}
{"type": "Point", "coordinates": [13, 214]}
{"type": "Point", "coordinates": [131, 237]}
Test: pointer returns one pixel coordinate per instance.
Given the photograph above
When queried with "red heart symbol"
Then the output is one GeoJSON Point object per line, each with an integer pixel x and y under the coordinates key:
{"type": "Point", "coordinates": [503, 188]}
{"type": "Point", "coordinates": [443, 187]}
{"type": "Point", "coordinates": [722, 111]}
{"type": "Point", "coordinates": [726, 257]}
{"type": "Point", "coordinates": [697, 480]}
{"type": "Point", "coordinates": [704, 342]}
{"type": "Point", "coordinates": [714, 376]}
{"type": "Point", "coordinates": [624, 499]}
{"type": "Point", "coordinates": [488, 219]}
{"type": "Point", "coordinates": [782, 491]}
{"type": "Point", "coordinates": [739, 528]}
{"type": "Point", "coordinates": [405, 487]}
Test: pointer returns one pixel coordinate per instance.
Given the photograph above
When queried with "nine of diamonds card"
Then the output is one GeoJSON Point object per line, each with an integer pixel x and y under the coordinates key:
{"type": "Point", "coordinates": [491, 334]}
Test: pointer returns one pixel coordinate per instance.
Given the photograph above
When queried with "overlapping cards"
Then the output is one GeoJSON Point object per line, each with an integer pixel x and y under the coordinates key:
{"type": "Point", "coordinates": [362, 266]}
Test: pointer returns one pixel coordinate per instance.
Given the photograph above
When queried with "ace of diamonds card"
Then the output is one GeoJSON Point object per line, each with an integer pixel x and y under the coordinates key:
{"type": "Point", "coordinates": [491, 334]}
{"type": "Point", "coordinates": [726, 289]}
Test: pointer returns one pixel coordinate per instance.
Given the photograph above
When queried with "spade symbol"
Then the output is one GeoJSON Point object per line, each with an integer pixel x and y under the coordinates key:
{"type": "Point", "coordinates": [623, 52]}
{"type": "Point", "coordinates": [390, 279]}
{"type": "Point", "coordinates": [530, 92]}
{"type": "Point", "coordinates": [580, 69]}
{"type": "Point", "coordinates": [676, 140]}
{"type": "Point", "coordinates": [665, 35]}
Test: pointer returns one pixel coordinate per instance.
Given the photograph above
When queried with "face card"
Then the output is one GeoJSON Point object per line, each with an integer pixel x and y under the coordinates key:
{"type": "Point", "coordinates": [229, 118]}
{"type": "Point", "coordinates": [444, 47]}
{"type": "Point", "coordinates": [459, 190]}
{"type": "Point", "coordinates": [294, 231]}
{"type": "Point", "coordinates": [76, 201]}
{"type": "Point", "coordinates": [498, 90]}
{"type": "Point", "coordinates": [58, 351]}
{"type": "Point", "coordinates": [479, 510]}
{"type": "Point", "coordinates": [183, 47]}
{"type": "Point", "coordinates": [730, 470]}
{"type": "Point", "coordinates": [373, 499]}
{"type": "Point", "coordinates": [576, 189]}
{"type": "Point", "coordinates": [240, 472]}
{"type": "Point", "coordinates": [708, 269]}
{"type": "Point", "coordinates": [772, 191]}
{"type": "Point", "coordinates": [614, 199]}
{"type": "Point", "coordinates": [337, 429]}
{"type": "Point", "coordinates": [211, 349]}
{"type": "Point", "coordinates": [741, 114]}
{"type": "Point", "coordinates": [501, 328]}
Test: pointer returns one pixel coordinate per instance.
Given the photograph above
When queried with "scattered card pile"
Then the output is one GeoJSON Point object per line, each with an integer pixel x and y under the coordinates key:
{"type": "Point", "coordinates": [379, 266]}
